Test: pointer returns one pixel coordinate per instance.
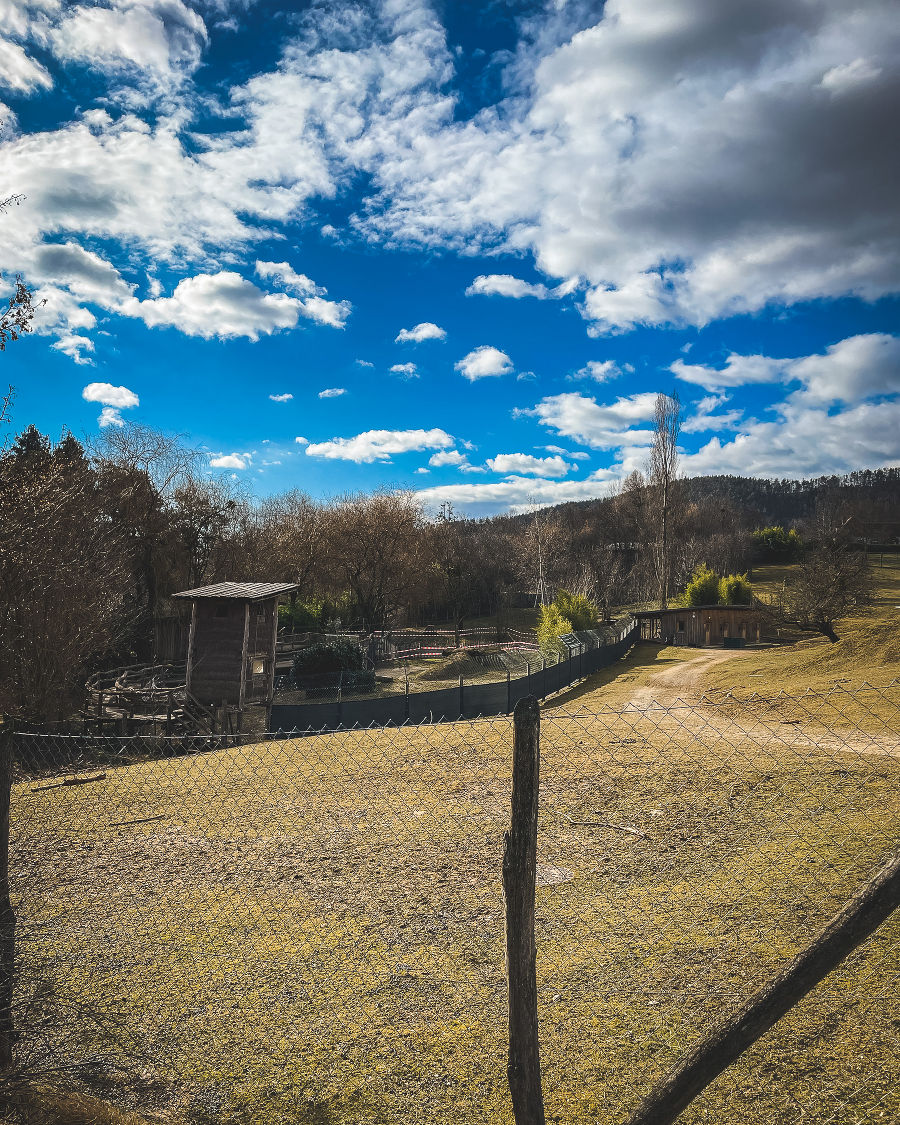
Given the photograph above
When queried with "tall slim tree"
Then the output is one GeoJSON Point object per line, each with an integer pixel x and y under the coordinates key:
{"type": "Point", "coordinates": [663, 473]}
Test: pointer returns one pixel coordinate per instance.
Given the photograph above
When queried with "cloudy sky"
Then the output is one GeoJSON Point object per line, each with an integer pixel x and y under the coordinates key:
{"type": "Point", "coordinates": [459, 246]}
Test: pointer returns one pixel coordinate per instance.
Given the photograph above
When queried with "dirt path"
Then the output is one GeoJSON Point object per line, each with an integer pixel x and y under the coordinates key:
{"type": "Point", "coordinates": [680, 680]}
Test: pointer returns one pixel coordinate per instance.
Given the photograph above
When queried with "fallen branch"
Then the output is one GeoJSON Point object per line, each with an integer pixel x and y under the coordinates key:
{"type": "Point", "coordinates": [68, 781]}
{"type": "Point", "coordinates": [603, 824]}
{"type": "Point", "coordinates": [140, 820]}
{"type": "Point", "coordinates": [862, 915]}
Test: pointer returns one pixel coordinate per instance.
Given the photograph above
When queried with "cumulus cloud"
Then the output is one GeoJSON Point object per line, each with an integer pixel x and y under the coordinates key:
{"type": "Point", "coordinates": [424, 331]}
{"type": "Point", "coordinates": [405, 370]}
{"type": "Point", "coordinates": [333, 392]}
{"type": "Point", "coordinates": [601, 371]}
{"type": "Point", "coordinates": [379, 445]}
{"type": "Point", "coordinates": [855, 368]}
{"type": "Point", "coordinates": [607, 426]}
{"type": "Point", "coordinates": [231, 461]}
{"type": "Point", "coordinates": [226, 305]}
{"type": "Point", "coordinates": [106, 393]}
{"type": "Point", "coordinates": [113, 399]}
{"type": "Point", "coordinates": [523, 463]}
{"type": "Point", "coordinates": [703, 416]}
{"type": "Point", "coordinates": [281, 398]}
{"type": "Point", "coordinates": [301, 440]}
{"type": "Point", "coordinates": [451, 457]}
{"type": "Point", "coordinates": [483, 362]}
{"type": "Point", "coordinates": [505, 285]}
{"type": "Point", "coordinates": [516, 494]}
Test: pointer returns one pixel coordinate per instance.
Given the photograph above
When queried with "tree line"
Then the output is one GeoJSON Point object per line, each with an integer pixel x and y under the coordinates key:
{"type": "Point", "coordinates": [94, 538]}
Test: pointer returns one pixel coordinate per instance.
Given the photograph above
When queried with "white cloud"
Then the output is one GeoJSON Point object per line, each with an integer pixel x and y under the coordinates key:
{"type": "Point", "coordinates": [364, 363]}
{"type": "Point", "coordinates": [601, 371]}
{"type": "Point", "coordinates": [19, 72]}
{"type": "Point", "coordinates": [483, 362]}
{"type": "Point", "coordinates": [106, 393]}
{"type": "Point", "coordinates": [74, 347]}
{"type": "Point", "coordinates": [523, 463]}
{"type": "Point", "coordinates": [703, 418]}
{"type": "Point", "coordinates": [227, 305]}
{"type": "Point", "coordinates": [424, 331]}
{"type": "Point", "coordinates": [852, 369]}
{"type": "Point", "coordinates": [505, 285]}
{"type": "Point", "coordinates": [806, 440]}
{"type": "Point", "coordinates": [405, 370]}
{"type": "Point", "coordinates": [451, 457]}
{"type": "Point", "coordinates": [158, 42]}
{"type": "Point", "coordinates": [846, 76]}
{"type": "Point", "coordinates": [378, 445]}
{"type": "Point", "coordinates": [516, 494]}
{"type": "Point", "coordinates": [422, 469]}
{"type": "Point", "coordinates": [333, 392]}
{"type": "Point", "coordinates": [110, 416]}
{"type": "Point", "coordinates": [231, 461]}
{"type": "Point", "coordinates": [288, 277]}
{"type": "Point", "coordinates": [301, 440]}
{"type": "Point", "coordinates": [281, 398]}
{"type": "Point", "coordinates": [600, 427]}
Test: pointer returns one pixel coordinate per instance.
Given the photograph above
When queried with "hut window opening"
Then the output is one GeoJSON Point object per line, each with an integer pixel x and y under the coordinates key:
{"type": "Point", "coordinates": [258, 666]}
{"type": "Point", "coordinates": [680, 625]}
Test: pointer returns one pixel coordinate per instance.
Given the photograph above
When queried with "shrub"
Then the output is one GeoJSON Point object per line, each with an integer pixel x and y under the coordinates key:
{"type": "Point", "coordinates": [551, 627]}
{"type": "Point", "coordinates": [335, 656]}
{"type": "Point", "coordinates": [579, 610]}
{"type": "Point", "coordinates": [774, 544]}
{"type": "Point", "coordinates": [703, 588]}
{"type": "Point", "coordinates": [735, 589]}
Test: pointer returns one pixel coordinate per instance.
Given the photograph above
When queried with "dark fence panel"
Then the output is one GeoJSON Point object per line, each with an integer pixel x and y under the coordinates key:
{"type": "Point", "coordinates": [450, 703]}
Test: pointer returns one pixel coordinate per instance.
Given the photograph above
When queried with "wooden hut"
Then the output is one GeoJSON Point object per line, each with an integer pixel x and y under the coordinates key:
{"type": "Point", "coordinates": [231, 643]}
{"type": "Point", "coordinates": [701, 625]}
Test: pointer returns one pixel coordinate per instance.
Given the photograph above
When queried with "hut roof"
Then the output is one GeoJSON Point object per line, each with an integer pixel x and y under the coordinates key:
{"type": "Point", "coordinates": [691, 609]}
{"type": "Point", "coordinates": [242, 591]}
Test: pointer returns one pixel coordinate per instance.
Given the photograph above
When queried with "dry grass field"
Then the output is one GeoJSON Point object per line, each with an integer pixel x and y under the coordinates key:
{"type": "Point", "coordinates": [311, 930]}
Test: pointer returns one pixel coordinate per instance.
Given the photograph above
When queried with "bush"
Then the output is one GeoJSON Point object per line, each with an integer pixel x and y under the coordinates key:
{"type": "Point", "coordinates": [735, 589]}
{"type": "Point", "coordinates": [335, 656]}
{"type": "Point", "coordinates": [774, 544]}
{"type": "Point", "coordinates": [579, 610]}
{"type": "Point", "coordinates": [703, 588]}
{"type": "Point", "coordinates": [551, 627]}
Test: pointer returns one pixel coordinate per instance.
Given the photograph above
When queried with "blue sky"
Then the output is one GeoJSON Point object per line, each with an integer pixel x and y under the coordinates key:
{"type": "Point", "coordinates": [489, 232]}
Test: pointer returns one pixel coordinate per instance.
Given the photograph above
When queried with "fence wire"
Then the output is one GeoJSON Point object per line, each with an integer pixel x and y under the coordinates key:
{"type": "Point", "coordinates": [311, 929]}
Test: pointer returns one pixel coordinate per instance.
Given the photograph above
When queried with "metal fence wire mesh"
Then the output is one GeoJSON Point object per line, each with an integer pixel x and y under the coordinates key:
{"type": "Point", "coordinates": [311, 929]}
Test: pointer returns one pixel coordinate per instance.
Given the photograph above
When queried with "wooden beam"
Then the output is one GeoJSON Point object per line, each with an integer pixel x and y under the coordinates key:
{"type": "Point", "coordinates": [858, 920]}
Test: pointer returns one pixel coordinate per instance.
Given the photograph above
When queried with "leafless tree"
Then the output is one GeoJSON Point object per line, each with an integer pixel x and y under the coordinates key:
{"type": "Point", "coordinates": [663, 473]}
{"type": "Point", "coordinates": [832, 581]}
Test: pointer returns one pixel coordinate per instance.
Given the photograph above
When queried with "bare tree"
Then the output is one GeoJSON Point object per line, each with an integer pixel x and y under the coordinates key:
{"type": "Point", "coordinates": [16, 318]}
{"type": "Point", "coordinates": [663, 473]}
{"type": "Point", "coordinates": [831, 581]}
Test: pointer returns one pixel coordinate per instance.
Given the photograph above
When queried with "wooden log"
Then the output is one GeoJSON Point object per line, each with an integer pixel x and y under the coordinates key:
{"type": "Point", "coordinates": [858, 920]}
{"type": "Point", "coordinates": [519, 874]}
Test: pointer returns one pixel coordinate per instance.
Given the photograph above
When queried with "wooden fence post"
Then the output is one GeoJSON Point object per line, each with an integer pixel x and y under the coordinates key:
{"type": "Point", "coordinates": [862, 915]}
{"type": "Point", "coordinates": [7, 915]}
{"type": "Point", "coordinates": [523, 1068]}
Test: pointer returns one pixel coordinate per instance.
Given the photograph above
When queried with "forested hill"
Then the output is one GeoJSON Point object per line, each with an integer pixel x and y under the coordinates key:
{"type": "Point", "coordinates": [765, 501]}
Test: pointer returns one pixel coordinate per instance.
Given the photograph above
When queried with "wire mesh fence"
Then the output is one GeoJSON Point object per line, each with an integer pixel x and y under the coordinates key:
{"type": "Point", "coordinates": [310, 929]}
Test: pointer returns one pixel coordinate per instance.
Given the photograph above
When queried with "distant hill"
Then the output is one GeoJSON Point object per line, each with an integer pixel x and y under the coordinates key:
{"type": "Point", "coordinates": [764, 501]}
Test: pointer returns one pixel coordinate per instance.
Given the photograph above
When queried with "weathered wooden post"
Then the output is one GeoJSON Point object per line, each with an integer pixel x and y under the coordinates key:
{"type": "Point", "coordinates": [508, 692]}
{"type": "Point", "coordinates": [7, 914]}
{"type": "Point", "coordinates": [461, 711]}
{"type": "Point", "coordinates": [858, 920]}
{"type": "Point", "coordinates": [523, 1068]}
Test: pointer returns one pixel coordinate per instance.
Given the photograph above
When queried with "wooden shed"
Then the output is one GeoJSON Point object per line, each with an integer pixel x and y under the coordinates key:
{"type": "Point", "coordinates": [231, 643]}
{"type": "Point", "coordinates": [701, 625]}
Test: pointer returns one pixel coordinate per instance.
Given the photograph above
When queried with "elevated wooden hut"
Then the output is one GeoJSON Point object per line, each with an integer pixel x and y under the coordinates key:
{"type": "Point", "coordinates": [231, 644]}
{"type": "Point", "coordinates": [701, 625]}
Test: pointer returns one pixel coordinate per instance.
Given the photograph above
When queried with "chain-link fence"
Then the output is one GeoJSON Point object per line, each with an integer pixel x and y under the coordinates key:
{"type": "Point", "coordinates": [311, 929]}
